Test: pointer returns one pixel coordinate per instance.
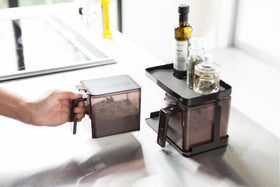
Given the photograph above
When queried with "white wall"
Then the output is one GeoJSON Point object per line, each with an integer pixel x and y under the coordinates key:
{"type": "Point", "coordinates": [151, 23]}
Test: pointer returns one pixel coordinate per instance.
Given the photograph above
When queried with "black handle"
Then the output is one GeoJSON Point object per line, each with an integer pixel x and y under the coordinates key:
{"type": "Point", "coordinates": [163, 123]}
{"type": "Point", "coordinates": [73, 115]}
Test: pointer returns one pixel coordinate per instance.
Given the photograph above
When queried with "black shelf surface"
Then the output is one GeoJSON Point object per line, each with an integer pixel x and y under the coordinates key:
{"type": "Point", "coordinates": [163, 76]}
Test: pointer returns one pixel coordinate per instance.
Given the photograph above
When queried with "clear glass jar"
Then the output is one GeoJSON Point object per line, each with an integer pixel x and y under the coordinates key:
{"type": "Point", "coordinates": [196, 57]}
{"type": "Point", "coordinates": [206, 77]}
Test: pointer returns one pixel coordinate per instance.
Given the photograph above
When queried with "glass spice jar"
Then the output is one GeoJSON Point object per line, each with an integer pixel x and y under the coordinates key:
{"type": "Point", "coordinates": [206, 77]}
{"type": "Point", "coordinates": [196, 57]}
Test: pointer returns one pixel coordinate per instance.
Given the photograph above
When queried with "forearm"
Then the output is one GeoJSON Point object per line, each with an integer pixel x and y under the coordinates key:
{"type": "Point", "coordinates": [14, 106]}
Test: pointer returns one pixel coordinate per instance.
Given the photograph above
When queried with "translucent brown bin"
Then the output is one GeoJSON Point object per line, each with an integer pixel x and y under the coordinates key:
{"type": "Point", "coordinates": [192, 126]}
{"type": "Point", "coordinates": [113, 105]}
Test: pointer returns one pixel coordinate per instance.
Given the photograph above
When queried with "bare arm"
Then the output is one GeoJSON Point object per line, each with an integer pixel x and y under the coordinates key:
{"type": "Point", "coordinates": [51, 109]}
{"type": "Point", "coordinates": [14, 106]}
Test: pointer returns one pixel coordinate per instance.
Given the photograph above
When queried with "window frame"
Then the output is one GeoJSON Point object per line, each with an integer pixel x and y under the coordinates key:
{"type": "Point", "coordinates": [251, 50]}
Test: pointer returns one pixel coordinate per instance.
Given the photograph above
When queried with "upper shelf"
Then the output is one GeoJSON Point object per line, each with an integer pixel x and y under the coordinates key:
{"type": "Point", "coordinates": [179, 89]}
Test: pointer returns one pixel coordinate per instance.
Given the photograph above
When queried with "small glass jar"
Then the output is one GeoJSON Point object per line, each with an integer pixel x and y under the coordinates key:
{"type": "Point", "coordinates": [206, 77]}
{"type": "Point", "coordinates": [196, 57]}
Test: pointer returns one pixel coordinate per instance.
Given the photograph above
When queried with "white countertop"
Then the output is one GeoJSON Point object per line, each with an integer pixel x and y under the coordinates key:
{"type": "Point", "coordinates": [255, 85]}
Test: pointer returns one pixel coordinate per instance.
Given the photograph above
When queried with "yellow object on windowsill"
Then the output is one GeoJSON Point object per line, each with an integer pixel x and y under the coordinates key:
{"type": "Point", "coordinates": [105, 13]}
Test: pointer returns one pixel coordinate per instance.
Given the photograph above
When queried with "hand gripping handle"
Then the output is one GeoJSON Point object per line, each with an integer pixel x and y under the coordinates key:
{"type": "Point", "coordinates": [73, 115]}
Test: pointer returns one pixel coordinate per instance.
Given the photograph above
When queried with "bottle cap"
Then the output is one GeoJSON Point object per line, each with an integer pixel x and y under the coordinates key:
{"type": "Point", "coordinates": [184, 9]}
{"type": "Point", "coordinates": [207, 68]}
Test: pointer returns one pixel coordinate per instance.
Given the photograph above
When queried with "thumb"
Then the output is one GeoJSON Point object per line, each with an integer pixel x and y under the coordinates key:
{"type": "Point", "coordinates": [70, 95]}
{"type": "Point", "coordinates": [75, 96]}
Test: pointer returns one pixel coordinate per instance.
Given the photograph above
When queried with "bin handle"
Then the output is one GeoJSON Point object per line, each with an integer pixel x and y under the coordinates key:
{"type": "Point", "coordinates": [163, 123]}
{"type": "Point", "coordinates": [73, 115]}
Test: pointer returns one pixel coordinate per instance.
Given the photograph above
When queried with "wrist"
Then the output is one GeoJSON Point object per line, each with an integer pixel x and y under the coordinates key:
{"type": "Point", "coordinates": [26, 112]}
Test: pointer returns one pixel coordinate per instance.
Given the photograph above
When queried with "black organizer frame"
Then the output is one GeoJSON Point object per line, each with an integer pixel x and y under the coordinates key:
{"type": "Point", "coordinates": [217, 141]}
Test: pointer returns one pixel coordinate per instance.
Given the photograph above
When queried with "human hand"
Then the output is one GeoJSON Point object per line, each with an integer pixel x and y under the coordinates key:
{"type": "Point", "coordinates": [54, 108]}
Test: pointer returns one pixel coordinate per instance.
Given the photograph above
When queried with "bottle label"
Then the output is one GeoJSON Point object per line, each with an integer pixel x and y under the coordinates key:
{"type": "Point", "coordinates": [181, 55]}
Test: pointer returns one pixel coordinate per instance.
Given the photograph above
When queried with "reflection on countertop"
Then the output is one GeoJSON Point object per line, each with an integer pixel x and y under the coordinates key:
{"type": "Point", "coordinates": [119, 157]}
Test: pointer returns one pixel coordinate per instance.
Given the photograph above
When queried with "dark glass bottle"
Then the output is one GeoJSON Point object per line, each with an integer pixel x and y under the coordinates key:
{"type": "Point", "coordinates": [182, 35]}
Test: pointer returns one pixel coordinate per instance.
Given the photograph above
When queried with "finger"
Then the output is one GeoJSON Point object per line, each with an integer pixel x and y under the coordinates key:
{"type": "Point", "coordinates": [81, 104]}
{"type": "Point", "coordinates": [68, 95]}
{"type": "Point", "coordinates": [75, 96]}
{"type": "Point", "coordinates": [80, 116]}
{"type": "Point", "coordinates": [79, 110]}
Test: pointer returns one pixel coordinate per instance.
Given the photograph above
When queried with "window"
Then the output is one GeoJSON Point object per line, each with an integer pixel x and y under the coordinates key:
{"type": "Point", "coordinates": [258, 28]}
{"type": "Point", "coordinates": [21, 3]}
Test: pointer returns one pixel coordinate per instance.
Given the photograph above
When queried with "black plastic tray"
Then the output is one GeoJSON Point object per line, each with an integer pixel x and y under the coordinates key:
{"type": "Point", "coordinates": [163, 76]}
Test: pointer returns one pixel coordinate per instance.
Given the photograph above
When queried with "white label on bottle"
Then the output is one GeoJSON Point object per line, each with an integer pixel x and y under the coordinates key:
{"type": "Point", "coordinates": [181, 55]}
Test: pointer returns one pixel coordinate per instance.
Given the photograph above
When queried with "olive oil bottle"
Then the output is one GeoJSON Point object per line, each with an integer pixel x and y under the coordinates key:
{"type": "Point", "coordinates": [182, 35]}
